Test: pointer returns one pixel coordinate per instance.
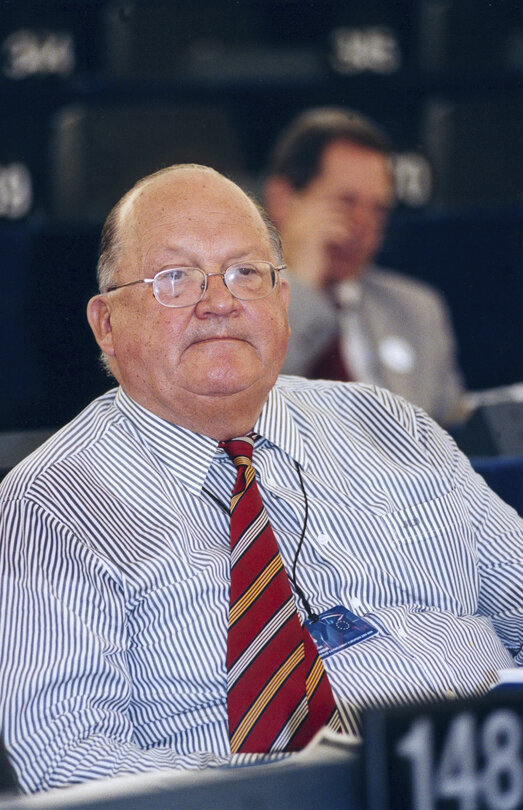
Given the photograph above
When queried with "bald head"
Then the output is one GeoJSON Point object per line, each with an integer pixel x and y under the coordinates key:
{"type": "Point", "coordinates": [188, 175]}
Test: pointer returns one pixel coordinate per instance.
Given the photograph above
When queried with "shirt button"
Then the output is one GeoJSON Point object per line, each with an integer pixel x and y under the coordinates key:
{"type": "Point", "coordinates": [323, 539]}
{"type": "Point", "coordinates": [402, 633]}
{"type": "Point", "coordinates": [450, 693]}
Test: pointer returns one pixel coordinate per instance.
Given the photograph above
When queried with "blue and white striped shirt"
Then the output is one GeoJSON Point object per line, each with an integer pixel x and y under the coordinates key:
{"type": "Point", "coordinates": [114, 568]}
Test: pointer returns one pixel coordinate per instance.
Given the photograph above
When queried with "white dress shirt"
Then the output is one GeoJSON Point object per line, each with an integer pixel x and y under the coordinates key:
{"type": "Point", "coordinates": [114, 568]}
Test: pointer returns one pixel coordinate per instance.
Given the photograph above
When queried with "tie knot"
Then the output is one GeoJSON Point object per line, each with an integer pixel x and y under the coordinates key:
{"type": "Point", "coordinates": [239, 450]}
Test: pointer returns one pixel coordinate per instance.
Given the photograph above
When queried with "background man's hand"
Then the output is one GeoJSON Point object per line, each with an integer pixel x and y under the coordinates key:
{"type": "Point", "coordinates": [321, 243]}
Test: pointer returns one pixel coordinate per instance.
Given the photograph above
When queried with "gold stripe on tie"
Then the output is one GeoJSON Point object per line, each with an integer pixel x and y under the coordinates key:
{"type": "Point", "coordinates": [314, 678]}
{"type": "Point", "coordinates": [259, 584]}
{"type": "Point", "coordinates": [243, 461]}
{"type": "Point", "coordinates": [249, 474]}
{"type": "Point", "coordinates": [265, 696]}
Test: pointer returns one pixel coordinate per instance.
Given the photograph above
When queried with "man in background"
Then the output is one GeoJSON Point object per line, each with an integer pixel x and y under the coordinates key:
{"type": "Point", "coordinates": [330, 190]}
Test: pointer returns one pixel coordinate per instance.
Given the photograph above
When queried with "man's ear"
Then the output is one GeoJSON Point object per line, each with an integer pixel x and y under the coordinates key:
{"type": "Point", "coordinates": [99, 317]}
{"type": "Point", "coordinates": [278, 197]}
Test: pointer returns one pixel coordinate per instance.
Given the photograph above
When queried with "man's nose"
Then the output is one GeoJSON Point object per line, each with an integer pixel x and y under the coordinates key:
{"type": "Point", "coordinates": [217, 298]}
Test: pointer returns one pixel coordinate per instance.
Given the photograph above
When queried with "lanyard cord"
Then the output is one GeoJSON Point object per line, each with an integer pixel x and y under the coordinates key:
{"type": "Point", "coordinates": [306, 604]}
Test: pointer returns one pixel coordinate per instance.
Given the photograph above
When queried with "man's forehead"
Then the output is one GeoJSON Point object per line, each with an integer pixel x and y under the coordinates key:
{"type": "Point", "coordinates": [173, 215]}
{"type": "Point", "coordinates": [343, 159]}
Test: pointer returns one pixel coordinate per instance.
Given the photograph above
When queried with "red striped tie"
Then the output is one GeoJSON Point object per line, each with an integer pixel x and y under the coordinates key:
{"type": "Point", "coordinates": [278, 694]}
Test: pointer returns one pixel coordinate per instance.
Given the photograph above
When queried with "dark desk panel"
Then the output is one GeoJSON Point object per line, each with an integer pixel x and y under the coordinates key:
{"type": "Point", "coordinates": [329, 780]}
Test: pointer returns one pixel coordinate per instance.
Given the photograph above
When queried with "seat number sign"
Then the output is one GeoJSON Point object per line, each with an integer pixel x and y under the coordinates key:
{"type": "Point", "coordinates": [454, 756]}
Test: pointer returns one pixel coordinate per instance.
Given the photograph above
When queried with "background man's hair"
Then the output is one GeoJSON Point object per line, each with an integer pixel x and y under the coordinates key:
{"type": "Point", "coordinates": [298, 151]}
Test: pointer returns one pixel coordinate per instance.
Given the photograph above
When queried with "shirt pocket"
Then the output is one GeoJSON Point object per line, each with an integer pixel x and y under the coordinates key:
{"type": "Point", "coordinates": [432, 550]}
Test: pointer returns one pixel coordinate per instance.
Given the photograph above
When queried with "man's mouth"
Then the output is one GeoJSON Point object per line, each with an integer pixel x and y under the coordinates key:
{"type": "Point", "coordinates": [209, 339]}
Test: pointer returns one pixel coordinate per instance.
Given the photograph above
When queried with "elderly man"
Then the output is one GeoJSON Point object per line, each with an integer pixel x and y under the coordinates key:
{"type": "Point", "coordinates": [330, 190]}
{"type": "Point", "coordinates": [162, 604]}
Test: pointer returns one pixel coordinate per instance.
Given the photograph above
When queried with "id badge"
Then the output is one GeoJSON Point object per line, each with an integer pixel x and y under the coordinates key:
{"type": "Point", "coordinates": [338, 628]}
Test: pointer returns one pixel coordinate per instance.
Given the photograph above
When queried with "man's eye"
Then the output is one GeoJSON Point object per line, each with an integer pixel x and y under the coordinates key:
{"type": "Point", "coordinates": [177, 275]}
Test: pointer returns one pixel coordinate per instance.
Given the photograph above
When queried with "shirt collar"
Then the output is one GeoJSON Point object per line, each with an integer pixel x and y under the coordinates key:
{"type": "Point", "coordinates": [189, 455]}
{"type": "Point", "coordinates": [277, 424]}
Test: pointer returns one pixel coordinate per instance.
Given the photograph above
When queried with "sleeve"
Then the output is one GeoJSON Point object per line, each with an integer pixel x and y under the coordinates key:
{"type": "Point", "coordinates": [314, 323]}
{"type": "Point", "coordinates": [498, 530]}
{"type": "Point", "coordinates": [65, 685]}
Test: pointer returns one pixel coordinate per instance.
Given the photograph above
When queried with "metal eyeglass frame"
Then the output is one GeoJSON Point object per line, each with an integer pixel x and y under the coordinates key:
{"type": "Point", "coordinates": [274, 268]}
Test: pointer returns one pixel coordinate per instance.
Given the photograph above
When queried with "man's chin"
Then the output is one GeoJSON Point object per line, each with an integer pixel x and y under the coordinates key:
{"type": "Point", "coordinates": [224, 380]}
{"type": "Point", "coordinates": [220, 388]}
{"type": "Point", "coordinates": [224, 368]}
{"type": "Point", "coordinates": [346, 271]}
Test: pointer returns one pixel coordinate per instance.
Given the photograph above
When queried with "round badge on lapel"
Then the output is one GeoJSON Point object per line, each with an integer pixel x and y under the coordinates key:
{"type": "Point", "coordinates": [397, 354]}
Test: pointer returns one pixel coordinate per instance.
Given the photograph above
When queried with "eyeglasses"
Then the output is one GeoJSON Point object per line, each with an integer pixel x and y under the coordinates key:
{"type": "Point", "coordinates": [185, 286]}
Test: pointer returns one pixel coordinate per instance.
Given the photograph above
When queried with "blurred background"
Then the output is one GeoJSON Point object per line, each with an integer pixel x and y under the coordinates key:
{"type": "Point", "coordinates": [96, 93]}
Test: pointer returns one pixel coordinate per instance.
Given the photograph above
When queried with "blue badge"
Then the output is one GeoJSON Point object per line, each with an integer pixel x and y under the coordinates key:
{"type": "Point", "coordinates": [338, 628]}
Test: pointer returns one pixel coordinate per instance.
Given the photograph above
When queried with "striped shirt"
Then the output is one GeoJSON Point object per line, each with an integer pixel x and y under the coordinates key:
{"type": "Point", "coordinates": [115, 574]}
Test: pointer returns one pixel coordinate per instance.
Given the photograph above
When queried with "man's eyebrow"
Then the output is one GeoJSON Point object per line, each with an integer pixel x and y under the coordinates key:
{"type": "Point", "coordinates": [170, 253]}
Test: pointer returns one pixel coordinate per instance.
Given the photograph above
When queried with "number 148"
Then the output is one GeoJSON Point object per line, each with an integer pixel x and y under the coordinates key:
{"type": "Point", "coordinates": [480, 765]}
